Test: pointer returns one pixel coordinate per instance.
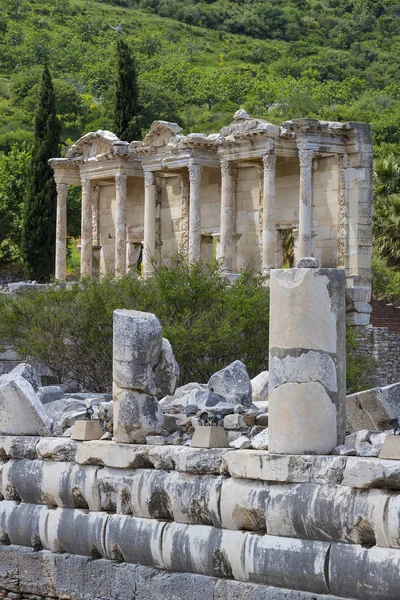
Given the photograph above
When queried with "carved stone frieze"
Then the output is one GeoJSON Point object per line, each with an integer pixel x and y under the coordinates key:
{"type": "Point", "coordinates": [343, 163]}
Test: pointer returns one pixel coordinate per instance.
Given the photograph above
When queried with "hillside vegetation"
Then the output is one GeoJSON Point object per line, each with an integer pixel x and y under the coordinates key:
{"type": "Point", "coordinates": [199, 61]}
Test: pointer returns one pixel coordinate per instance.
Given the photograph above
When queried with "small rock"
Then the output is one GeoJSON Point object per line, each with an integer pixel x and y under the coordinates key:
{"type": "Point", "coordinates": [256, 430]}
{"type": "Point", "coordinates": [242, 443]}
{"type": "Point", "coordinates": [180, 397]}
{"type": "Point", "coordinates": [233, 435]}
{"type": "Point", "coordinates": [190, 409]}
{"type": "Point", "coordinates": [170, 421]}
{"type": "Point", "coordinates": [106, 436]}
{"type": "Point", "coordinates": [239, 409]}
{"type": "Point", "coordinates": [365, 449]}
{"type": "Point", "coordinates": [250, 420]}
{"type": "Point", "coordinates": [155, 440]}
{"type": "Point", "coordinates": [260, 441]}
{"type": "Point", "coordinates": [344, 451]}
{"type": "Point", "coordinates": [262, 420]}
{"type": "Point", "coordinates": [174, 439]}
{"type": "Point", "coordinates": [234, 421]}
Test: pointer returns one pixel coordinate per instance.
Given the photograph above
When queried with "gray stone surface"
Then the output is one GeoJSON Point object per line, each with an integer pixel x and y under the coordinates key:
{"type": "Point", "coordinates": [259, 386]}
{"type": "Point", "coordinates": [21, 413]}
{"type": "Point", "coordinates": [134, 540]}
{"type": "Point", "coordinates": [136, 415]}
{"type": "Point", "coordinates": [18, 446]}
{"type": "Point", "coordinates": [59, 449]}
{"type": "Point", "coordinates": [179, 398]}
{"type": "Point", "coordinates": [372, 473]}
{"type": "Point", "coordinates": [50, 393]}
{"type": "Point", "coordinates": [233, 383]}
{"type": "Point", "coordinates": [166, 373]}
{"type": "Point", "coordinates": [373, 409]}
{"type": "Point", "coordinates": [61, 410]}
{"type": "Point", "coordinates": [29, 373]}
{"type": "Point", "coordinates": [136, 350]}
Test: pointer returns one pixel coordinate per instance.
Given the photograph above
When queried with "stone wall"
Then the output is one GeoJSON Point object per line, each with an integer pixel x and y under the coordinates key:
{"type": "Point", "coordinates": [245, 524]}
{"type": "Point", "coordinates": [384, 346]}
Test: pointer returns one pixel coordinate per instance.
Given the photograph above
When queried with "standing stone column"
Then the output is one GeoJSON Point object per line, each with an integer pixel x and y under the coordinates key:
{"type": "Point", "coordinates": [343, 163]}
{"type": "Point", "coordinates": [195, 172]}
{"type": "Point", "coordinates": [86, 228]}
{"type": "Point", "coordinates": [120, 224]}
{"type": "Point", "coordinates": [227, 215]}
{"type": "Point", "coordinates": [149, 223]}
{"type": "Point", "coordinates": [184, 244]}
{"type": "Point", "coordinates": [61, 231]}
{"type": "Point", "coordinates": [305, 203]}
{"type": "Point", "coordinates": [307, 360]}
{"type": "Point", "coordinates": [269, 212]}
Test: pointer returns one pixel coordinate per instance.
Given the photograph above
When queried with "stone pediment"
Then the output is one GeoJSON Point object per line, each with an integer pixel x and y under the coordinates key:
{"type": "Point", "coordinates": [98, 145]}
{"type": "Point", "coordinates": [245, 126]}
{"type": "Point", "coordinates": [161, 134]}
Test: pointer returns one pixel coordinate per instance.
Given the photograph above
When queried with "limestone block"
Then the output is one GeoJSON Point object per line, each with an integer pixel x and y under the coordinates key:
{"type": "Point", "coordinates": [390, 447]}
{"type": "Point", "coordinates": [239, 443]}
{"type": "Point", "coordinates": [236, 590]}
{"type": "Point", "coordinates": [59, 449]}
{"type": "Point", "coordinates": [21, 413]}
{"type": "Point", "coordinates": [302, 419]}
{"type": "Point", "coordinates": [261, 440]}
{"type": "Point", "coordinates": [163, 585]}
{"type": "Point", "coordinates": [180, 497]}
{"type": "Point", "coordinates": [10, 567]}
{"type": "Point", "coordinates": [243, 504]}
{"type": "Point", "coordinates": [77, 532]}
{"type": "Point", "coordinates": [372, 473]}
{"type": "Point", "coordinates": [60, 410]}
{"type": "Point", "coordinates": [52, 483]}
{"type": "Point", "coordinates": [86, 430]}
{"type": "Point", "coordinates": [233, 383]}
{"type": "Point", "coordinates": [286, 562]}
{"type": "Point", "coordinates": [371, 574]}
{"type": "Point", "coordinates": [373, 409]}
{"type": "Point", "coordinates": [259, 386]}
{"type": "Point", "coordinates": [111, 454]}
{"type": "Point", "coordinates": [18, 446]}
{"type": "Point", "coordinates": [134, 540]}
{"type": "Point", "coordinates": [179, 397]}
{"type": "Point", "coordinates": [265, 466]}
{"type": "Point", "coordinates": [29, 373]}
{"type": "Point", "coordinates": [36, 572]}
{"type": "Point", "coordinates": [166, 373]}
{"type": "Point", "coordinates": [309, 367]}
{"type": "Point", "coordinates": [50, 393]}
{"type": "Point", "coordinates": [204, 550]}
{"type": "Point", "coordinates": [200, 460]}
{"type": "Point", "coordinates": [137, 347]}
{"type": "Point", "coordinates": [118, 489]}
{"type": "Point", "coordinates": [162, 457]}
{"type": "Point", "coordinates": [24, 524]}
{"type": "Point", "coordinates": [136, 415]}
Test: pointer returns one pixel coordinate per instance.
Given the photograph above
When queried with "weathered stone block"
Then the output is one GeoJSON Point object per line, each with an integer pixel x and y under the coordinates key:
{"type": "Point", "coordinates": [50, 393]}
{"type": "Point", "coordinates": [210, 437]}
{"type": "Point", "coordinates": [204, 550]}
{"type": "Point", "coordinates": [21, 413]}
{"type": "Point", "coordinates": [58, 449]}
{"type": "Point", "coordinates": [134, 540]}
{"type": "Point", "coordinates": [86, 430]}
{"type": "Point", "coordinates": [373, 409]}
{"type": "Point", "coordinates": [166, 373]}
{"type": "Point", "coordinates": [29, 373]}
{"type": "Point", "coordinates": [165, 586]}
{"type": "Point", "coordinates": [136, 415]}
{"type": "Point", "coordinates": [18, 446]}
{"type": "Point", "coordinates": [111, 454]}
{"type": "Point", "coordinates": [366, 473]}
{"type": "Point", "coordinates": [233, 383]}
{"type": "Point", "coordinates": [136, 350]}
{"type": "Point", "coordinates": [259, 386]}
{"type": "Point", "coordinates": [77, 532]}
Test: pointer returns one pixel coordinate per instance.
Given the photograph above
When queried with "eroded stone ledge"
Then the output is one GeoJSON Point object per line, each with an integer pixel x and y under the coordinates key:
{"type": "Point", "coordinates": [71, 577]}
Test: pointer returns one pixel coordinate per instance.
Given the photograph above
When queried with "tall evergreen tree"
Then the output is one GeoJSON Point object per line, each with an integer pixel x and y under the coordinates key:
{"type": "Point", "coordinates": [126, 107]}
{"type": "Point", "coordinates": [39, 221]}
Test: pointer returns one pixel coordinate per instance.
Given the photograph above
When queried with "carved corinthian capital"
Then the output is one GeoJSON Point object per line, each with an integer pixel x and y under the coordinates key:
{"type": "Point", "coordinates": [120, 181]}
{"type": "Point", "coordinates": [195, 172]}
{"type": "Point", "coordinates": [305, 158]}
{"type": "Point", "coordinates": [227, 168]}
{"type": "Point", "coordinates": [269, 161]}
{"type": "Point", "coordinates": [148, 178]}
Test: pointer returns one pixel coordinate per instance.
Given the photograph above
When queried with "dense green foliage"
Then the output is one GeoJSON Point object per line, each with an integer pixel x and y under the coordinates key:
{"type": "Point", "coordinates": [39, 218]}
{"type": "Point", "coordinates": [126, 109]}
{"type": "Point", "coordinates": [209, 324]}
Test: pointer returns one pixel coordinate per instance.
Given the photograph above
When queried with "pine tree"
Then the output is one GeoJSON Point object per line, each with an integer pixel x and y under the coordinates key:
{"type": "Point", "coordinates": [39, 221]}
{"type": "Point", "coordinates": [126, 107]}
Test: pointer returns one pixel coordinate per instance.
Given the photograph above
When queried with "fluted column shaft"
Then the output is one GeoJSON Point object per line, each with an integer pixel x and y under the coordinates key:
{"type": "Point", "coordinates": [305, 203]}
{"type": "Point", "coordinates": [195, 172]}
{"type": "Point", "coordinates": [227, 215]}
{"type": "Point", "coordinates": [269, 212]}
{"type": "Point", "coordinates": [61, 231]}
{"type": "Point", "coordinates": [149, 223]}
{"type": "Point", "coordinates": [120, 224]}
{"type": "Point", "coordinates": [86, 229]}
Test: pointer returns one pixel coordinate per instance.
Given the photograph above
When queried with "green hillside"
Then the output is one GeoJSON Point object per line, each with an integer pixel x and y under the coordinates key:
{"type": "Point", "coordinates": [332, 59]}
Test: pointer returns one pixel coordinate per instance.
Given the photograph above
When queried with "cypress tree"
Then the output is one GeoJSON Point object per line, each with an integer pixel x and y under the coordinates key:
{"type": "Point", "coordinates": [39, 220]}
{"type": "Point", "coordinates": [126, 107]}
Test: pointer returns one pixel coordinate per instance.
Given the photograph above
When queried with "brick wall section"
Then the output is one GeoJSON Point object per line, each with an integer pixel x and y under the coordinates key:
{"type": "Point", "coordinates": [385, 314]}
{"type": "Point", "coordinates": [384, 346]}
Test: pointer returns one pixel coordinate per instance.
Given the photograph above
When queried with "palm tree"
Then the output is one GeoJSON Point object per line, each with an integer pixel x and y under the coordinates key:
{"type": "Point", "coordinates": [386, 221]}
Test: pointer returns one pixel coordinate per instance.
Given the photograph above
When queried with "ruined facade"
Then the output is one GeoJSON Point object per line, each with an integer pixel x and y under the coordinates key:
{"type": "Point", "coordinates": [230, 195]}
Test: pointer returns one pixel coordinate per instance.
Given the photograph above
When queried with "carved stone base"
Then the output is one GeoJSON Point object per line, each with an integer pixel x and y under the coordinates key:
{"type": "Point", "coordinates": [86, 430]}
{"type": "Point", "coordinates": [210, 437]}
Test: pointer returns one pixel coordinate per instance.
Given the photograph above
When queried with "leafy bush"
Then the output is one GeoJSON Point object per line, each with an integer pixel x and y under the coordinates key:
{"type": "Point", "coordinates": [358, 366]}
{"type": "Point", "coordinates": [208, 324]}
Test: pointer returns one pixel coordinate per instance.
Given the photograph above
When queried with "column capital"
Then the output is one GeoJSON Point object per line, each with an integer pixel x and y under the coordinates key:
{"type": "Point", "coordinates": [148, 177]}
{"type": "Point", "coordinates": [195, 171]}
{"type": "Point", "coordinates": [120, 179]}
{"type": "Point", "coordinates": [306, 157]}
{"type": "Point", "coordinates": [269, 160]}
{"type": "Point", "coordinates": [62, 189]}
{"type": "Point", "coordinates": [227, 168]}
{"type": "Point", "coordinates": [86, 184]}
